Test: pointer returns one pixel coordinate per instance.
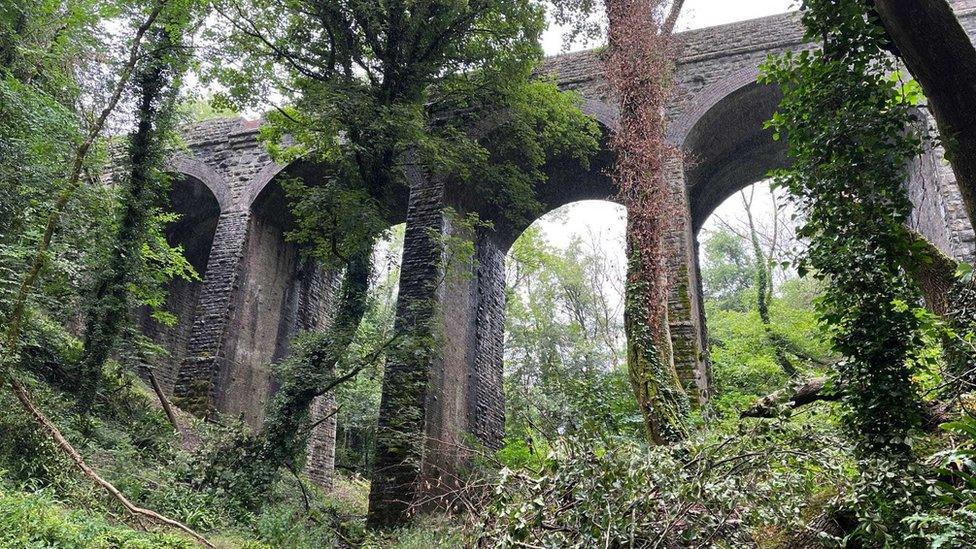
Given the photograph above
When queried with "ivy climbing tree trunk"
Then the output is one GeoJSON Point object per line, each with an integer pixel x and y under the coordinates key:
{"type": "Point", "coordinates": [764, 293]}
{"type": "Point", "coordinates": [937, 51]}
{"type": "Point", "coordinates": [15, 319]}
{"type": "Point", "coordinates": [850, 159]}
{"type": "Point", "coordinates": [144, 192]}
{"type": "Point", "coordinates": [954, 301]}
{"type": "Point", "coordinates": [640, 67]}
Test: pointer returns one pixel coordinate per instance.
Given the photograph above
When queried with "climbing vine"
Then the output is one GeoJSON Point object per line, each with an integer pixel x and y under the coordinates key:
{"type": "Point", "coordinates": [144, 187]}
{"type": "Point", "coordinates": [848, 126]}
{"type": "Point", "coordinates": [640, 67]}
{"type": "Point", "coordinates": [846, 119]}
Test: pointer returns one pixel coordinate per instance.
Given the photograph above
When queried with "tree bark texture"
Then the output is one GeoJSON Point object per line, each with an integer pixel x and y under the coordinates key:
{"type": "Point", "coordinates": [937, 51]}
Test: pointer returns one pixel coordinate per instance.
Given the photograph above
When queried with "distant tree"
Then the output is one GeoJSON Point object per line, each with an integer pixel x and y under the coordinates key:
{"type": "Point", "coordinates": [727, 269]}
{"type": "Point", "coordinates": [565, 347]}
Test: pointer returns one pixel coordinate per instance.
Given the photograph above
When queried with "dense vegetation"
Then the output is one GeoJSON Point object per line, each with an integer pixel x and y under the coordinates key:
{"type": "Point", "coordinates": [841, 341]}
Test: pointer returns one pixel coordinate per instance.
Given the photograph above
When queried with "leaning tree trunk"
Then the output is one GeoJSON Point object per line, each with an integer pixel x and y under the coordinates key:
{"type": "Point", "coordinates": [937, 51]}
{"type": "Point", "coordinates": [954, 301]}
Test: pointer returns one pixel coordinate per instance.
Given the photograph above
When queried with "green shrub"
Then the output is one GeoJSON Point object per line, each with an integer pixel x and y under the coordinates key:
{"type": "Point", "coordinates": [36, 520]}
{"type": "Point", "coordinates": [713, 491]}
{"type": "Point", "coordinates": [952, 520]}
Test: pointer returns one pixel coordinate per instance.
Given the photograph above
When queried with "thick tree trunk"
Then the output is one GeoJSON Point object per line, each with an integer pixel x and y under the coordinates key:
{"type": "Point", "coordinates": [650, 361]}
{"type": "Point", "coordinates": [937, 51]}
{"type": "Point", "coordinates": [955, 302]}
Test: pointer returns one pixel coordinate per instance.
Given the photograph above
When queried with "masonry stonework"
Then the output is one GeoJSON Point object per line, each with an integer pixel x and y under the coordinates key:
{"type": "Point", "coordinates": [444, 399]}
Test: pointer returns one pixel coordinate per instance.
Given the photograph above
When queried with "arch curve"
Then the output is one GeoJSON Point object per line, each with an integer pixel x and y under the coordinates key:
{"type": "Point", "coordinates": [257, 183]}
{"type": "Point", "coordinates": [726, 143]}
{"type": "Point", "coordinates": [706, 99]}
{"type": "Point", "coordinates": [188, 166]}
{"type": "Point", "coordinates": [606, 114]}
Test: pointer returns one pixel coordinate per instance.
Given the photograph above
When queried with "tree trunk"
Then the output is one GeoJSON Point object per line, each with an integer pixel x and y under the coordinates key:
{"type": "Point", "coordinates": [937, 51]}
{"type": "Point", "coordinates": [143, 192]}
{"type": "Point", "coordinates": [764, 294]}
{"type": "Point", "coordinates": [650, 362]}
{"type": "Point", "coordinates": [955, 302]}
{"type": "Point", "coordinates": [816, 390]}
{"type": "Point", "coordinates": [15, 319]}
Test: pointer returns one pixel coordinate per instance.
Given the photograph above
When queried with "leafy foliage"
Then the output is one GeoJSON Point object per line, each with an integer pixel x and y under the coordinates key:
{"type": "Point", "coordinates": [845, 119]}
{"type": "Point", "coordinates": [36, 520]}
{"type": "Point", "coordinates": [952, 521]}
{"type": "Point", "coordinates": [732, 490]}
{"type": "Point", "coordinates": [564, 345]}
{"type": "Point", "coordinates": [848, 125]}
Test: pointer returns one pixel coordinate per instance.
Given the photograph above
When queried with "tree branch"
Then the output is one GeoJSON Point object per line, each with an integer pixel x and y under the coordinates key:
{"type": "Point", "coordinates": [52, 430]}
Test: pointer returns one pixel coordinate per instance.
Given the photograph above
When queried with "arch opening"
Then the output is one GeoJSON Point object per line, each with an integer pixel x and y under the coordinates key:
{"type": "Point", "coordinates": [565, 348]}
{"type": "Point", "coordinates": [728, 148]}
{"type": "Point", "coordinates": [281, 292]}
{"type": "Point", "coordinates": [194, 231]}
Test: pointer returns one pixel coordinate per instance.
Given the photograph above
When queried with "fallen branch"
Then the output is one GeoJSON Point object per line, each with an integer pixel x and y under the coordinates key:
{"type": "Point", "coordinates": [25, 400]}
{"type": "Point", "coordinates": [934, 413]}
{"type": "Point", "coordinates": [163, 401]}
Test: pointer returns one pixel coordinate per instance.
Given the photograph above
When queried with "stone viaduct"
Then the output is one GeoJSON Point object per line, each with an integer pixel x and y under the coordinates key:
{"type": "Point", "coordinates": [257, 291]}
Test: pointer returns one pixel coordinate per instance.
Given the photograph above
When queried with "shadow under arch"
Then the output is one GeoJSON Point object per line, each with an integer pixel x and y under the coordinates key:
{"type": "Point", "coordinates": [280, 291]}
{"type": "Point", "coordinates": [199, 209]}
{"type": "Point", "coordinates": [725, 143]}
{"type": "Point", "coordinates": [190, 167]}
{"type": "Point", "coordinates": [567, 181]}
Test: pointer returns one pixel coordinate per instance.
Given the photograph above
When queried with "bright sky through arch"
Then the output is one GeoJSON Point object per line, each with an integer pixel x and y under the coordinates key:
{"type": "Point", "coordinates": [582, 218]}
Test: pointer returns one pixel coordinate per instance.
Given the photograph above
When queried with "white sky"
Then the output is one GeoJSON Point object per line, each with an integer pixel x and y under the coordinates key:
{"type": "Point", "coordinates": [604, 218]}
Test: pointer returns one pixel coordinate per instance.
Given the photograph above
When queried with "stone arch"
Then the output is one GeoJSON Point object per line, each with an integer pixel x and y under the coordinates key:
{"type": "Point", "coordinates": [725, 144]}
{"type": "Point", "coordinates": [279, 293]}
{"type": "Point", "coordinates": [568, 181]}
{"type": "Point", "coordinates": [601, 111]}
{"type": "Point", "coordinates": [191, 167]}
{"type": "Point", "coordinates": [258, 183]}
{"type": "Point", "coordinates": [199, 209]}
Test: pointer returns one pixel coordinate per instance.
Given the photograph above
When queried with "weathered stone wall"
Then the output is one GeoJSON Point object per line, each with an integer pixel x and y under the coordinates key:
{"type": "Point", "coordinates": [413, 369]}
{"type": "Point", "coordinates": [256, 293]}
{"type": "Point", "coordinates": [445, 382]}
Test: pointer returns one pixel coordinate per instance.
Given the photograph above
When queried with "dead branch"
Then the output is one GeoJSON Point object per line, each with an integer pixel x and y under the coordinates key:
{"type": "Point", "coordinates": [672, 19]}
{"type": "Point", "coordinates": [934, 413]}
{"type": "Point", "coordinates": [52, 430]}
{"type": "Point", "coordinates": [167, 407]}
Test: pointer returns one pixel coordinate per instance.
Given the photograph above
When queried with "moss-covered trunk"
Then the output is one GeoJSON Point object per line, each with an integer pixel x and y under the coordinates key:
{"type": "Point", "coordinates": [650, 360]}
{"type": "Point", "coordinates": [144, 191]}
